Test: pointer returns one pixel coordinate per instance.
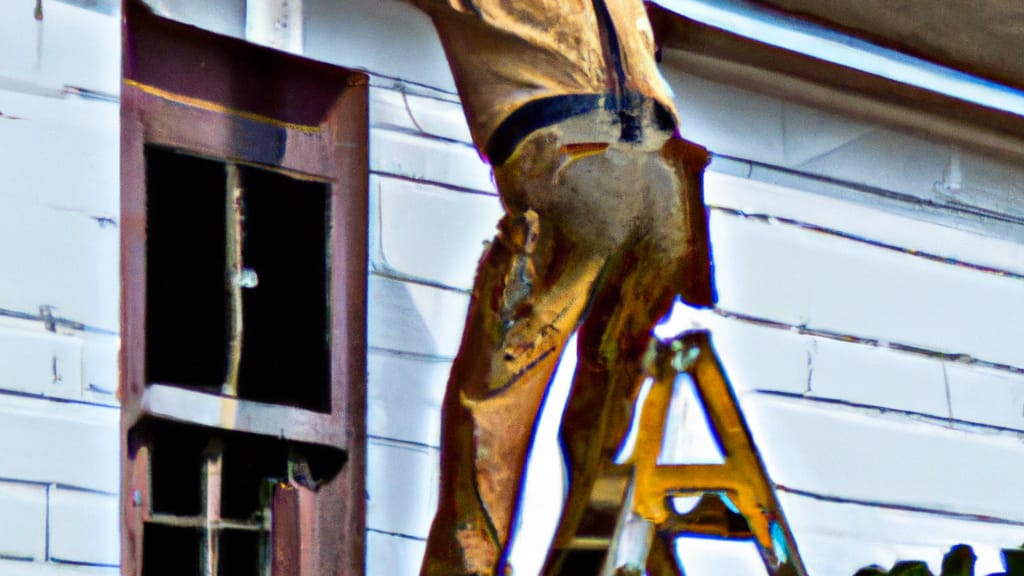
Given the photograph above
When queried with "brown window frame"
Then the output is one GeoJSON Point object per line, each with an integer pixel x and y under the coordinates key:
{"type": "Point", "coordinates": [216, 97]}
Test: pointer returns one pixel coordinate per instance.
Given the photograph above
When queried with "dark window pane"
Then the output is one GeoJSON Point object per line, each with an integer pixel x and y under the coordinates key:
{"type": "Point", "coordinates": [251, 467]}
{"type": "Point", "coordinates": [186, 341]}
{"type": "Point", "coordinates": [177, 469]}
{"type": "Point", "coordinates": [241, 553]}
{"type": "Point", "coordinates": [170, 551]}
{"type": "Point", "coordinates": [285, 316]}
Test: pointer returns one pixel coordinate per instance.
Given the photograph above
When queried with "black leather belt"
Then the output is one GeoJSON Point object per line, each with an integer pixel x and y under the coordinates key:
{"type": "Point", "coordinates": [628, 111]}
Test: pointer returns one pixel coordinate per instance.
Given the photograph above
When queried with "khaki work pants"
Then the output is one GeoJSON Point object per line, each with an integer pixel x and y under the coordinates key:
{"type": "Point", "coordinates": [599, 236]}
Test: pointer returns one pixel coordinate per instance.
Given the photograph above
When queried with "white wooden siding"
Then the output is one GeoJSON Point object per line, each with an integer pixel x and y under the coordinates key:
{"type": "Point", "coordinates": [74, 517]}
{"type": "Point", "coordinates": [393, 554]}
{"type": "Point", "coordinates": [404, 396]}
{"type": "Point", "coordinates": [429, 233]}
{"type": "Point", "coordinates": [835, 538]}
{"type": "Point", "coordinates": [18, 568]}
{"type": "Point", "coordinates": [986, 396]}
{"type": "Point", "coordinates": [885, 167]}
{"type": "Point", "coordinates": [59, 457]}
{"type": "Point", "coordinates": [433, 205]}
{"type": "Point", "coordinates": [60, 174]}
{"type": "Point", "coordinates": [389, 38]}
{"type": "Point", "coordinates": [23, 531]}
{"type": "Point", "coordinates": [804, 278]}
{"type": "Point", "coordinates": [68, 47]}
{"type": "Point", "coordinates": [48, 442]}
{"type": "Point", "coordinates": [415, 318]}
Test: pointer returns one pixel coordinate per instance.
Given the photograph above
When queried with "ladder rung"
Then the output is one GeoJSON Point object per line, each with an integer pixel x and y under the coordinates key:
{"type": "Point", "coordinates": [608, 491]}
{"type": "Point", "coordinates": [589, 543]}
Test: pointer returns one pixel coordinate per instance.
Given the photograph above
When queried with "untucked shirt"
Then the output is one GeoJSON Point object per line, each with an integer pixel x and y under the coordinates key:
{"type": "Point", "coordinates": [507, 53]}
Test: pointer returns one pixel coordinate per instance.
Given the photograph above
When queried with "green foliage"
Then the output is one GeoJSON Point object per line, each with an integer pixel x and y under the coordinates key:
{"type": "Point", "coordinates": [873, 570]}
{"type": "Point", "coordinates": [959, 561]}
{"type": "Point", "coordinates": [910, 568]}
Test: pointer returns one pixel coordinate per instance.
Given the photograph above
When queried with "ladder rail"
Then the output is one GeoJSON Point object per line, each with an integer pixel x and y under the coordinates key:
{"type": "Point", "coordinates": [738, 500]}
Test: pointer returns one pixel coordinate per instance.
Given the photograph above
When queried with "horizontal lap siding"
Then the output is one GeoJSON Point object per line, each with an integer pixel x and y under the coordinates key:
{"type": "Point", "coordinates": [864, 223]}
{"type": "Point", "coordinates": [804, 278]}
{"type": "Point", "coordinates": [59, 206]}
{"type": "Point", "coordinates": [430, 233]}
{"type": "Point", "coordinates": [393, 554]}
{"type": "Point", "coordinates": [402, 493]}
{"type": "Point", "coordinates": [433, 207]}
{"type": "Point", "coordinates": [58, 488]}
{"type": "Point", "coordinates": [986, 396]}
{"type": "Point", "coordinates": [776, 360]}
{"type": "Point", "coordinates": [414, 318]}
{"type": "Point", "coordinates": [74, 518]}
{"type": "Point", "coordinates": [18, 568]}
{"type": "Point", "coordinates": [23, 528]}
{"type": "Point", "coordinates": [909, 332]}
{"type": "Point", "coordinates": [40, 363]}
{"type": "Point", "coordinates": [903, 173]}
{"type": "Point", "coordinates": [47, 442]}
{"type": "Point", "coordinates": [68, 47]}
{"type": "Point", "coordinates": [861, 455]}
{"type": "Point", "coordinates": [59, 243]}
{"type": "Point", "coordinates": [400, 111]}
{"type": "Point", "coordinates": [404, 397]}
{"type": "Point", "coordinates": [388, 37]}
{"type": "Point", "coordinates": [837, 539]}
{"type": "Point", "coordinates": [959, 323]}
{"type": "Point", "coordinates": [413, 157]}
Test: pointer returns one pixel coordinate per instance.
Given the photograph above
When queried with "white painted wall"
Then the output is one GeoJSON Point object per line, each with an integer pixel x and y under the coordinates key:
{"type": "Point", "coordinates": [59, 253]}
{"type": "Point", "coordinates": [874, 341]}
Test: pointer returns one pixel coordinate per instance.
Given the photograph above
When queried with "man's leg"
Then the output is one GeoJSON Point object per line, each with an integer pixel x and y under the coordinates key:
{"type": "Point", "coordinates": [609, 372]}
{"type": "Point", "coordinates": [615, 336]}
{"type": "Point", "coordinates": [531, 289]}
{"type": "Point", "coordinates": [568, 216]}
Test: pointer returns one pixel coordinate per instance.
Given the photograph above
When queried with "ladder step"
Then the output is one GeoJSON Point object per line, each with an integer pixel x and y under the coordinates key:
{"type": "Point", "coordinates": [589, 543]}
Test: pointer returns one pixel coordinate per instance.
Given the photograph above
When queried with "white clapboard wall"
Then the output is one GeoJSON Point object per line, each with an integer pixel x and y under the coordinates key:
{"type": "Point", "coordinates": [58, 290]}
{"type": "Point", "coordinates": [870, 310]}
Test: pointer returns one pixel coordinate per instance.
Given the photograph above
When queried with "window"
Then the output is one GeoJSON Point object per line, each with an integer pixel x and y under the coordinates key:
{"type": "Point", "coordinates": [263, 236]}
{"type": "Point", "coordinates": [244, 176]}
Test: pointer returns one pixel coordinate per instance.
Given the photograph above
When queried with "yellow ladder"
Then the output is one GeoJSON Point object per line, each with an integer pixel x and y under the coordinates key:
{"type": "Point", "coordinates": [631, 521]}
